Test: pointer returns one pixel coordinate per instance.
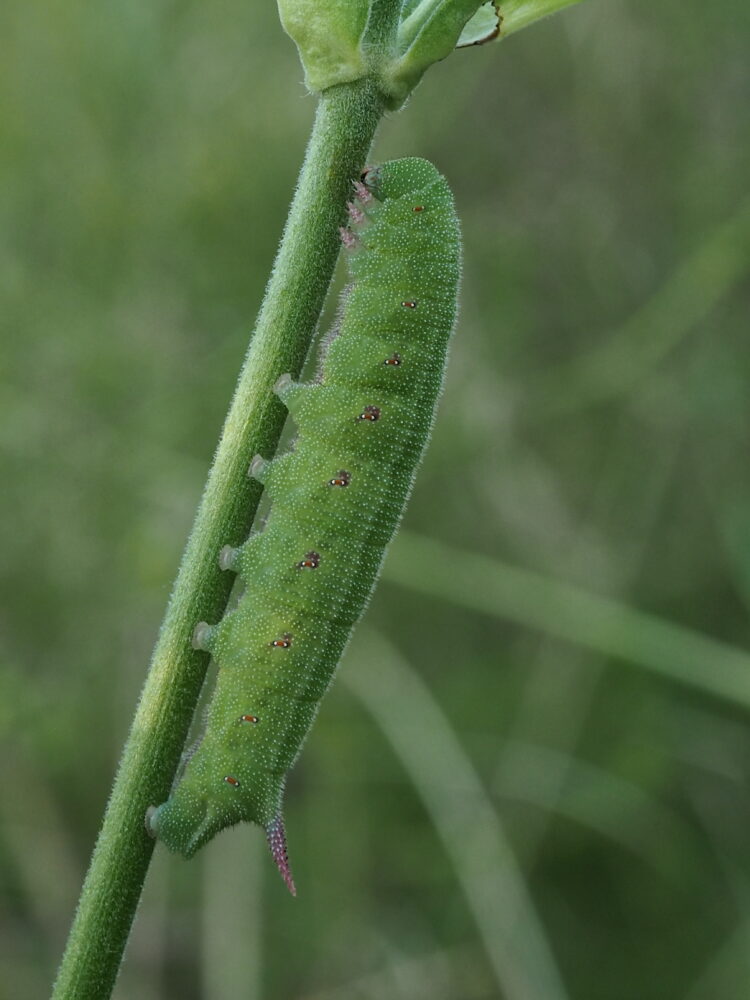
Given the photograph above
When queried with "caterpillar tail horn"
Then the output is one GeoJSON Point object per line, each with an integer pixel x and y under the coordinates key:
{"type": "Point", "coordinates": [276, 836]}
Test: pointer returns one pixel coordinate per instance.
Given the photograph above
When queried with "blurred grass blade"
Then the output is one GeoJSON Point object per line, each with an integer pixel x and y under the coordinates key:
{"type": "Point", "coordinates": [463, 815]}
{"type": "Point", "coordinates": [35, 843]}
{"type": "Point", "coordinates": [628, 354]}
{"type": "Point", "coordinates": [421, 977]}
{"type": "Point", "coordinates": [600, 800]}
{"type": "Point", "coordinates": [728, 973]}
{"type": "Point", "coordinates": [557, 608]}
{"type": "Point", "coordinates": [232, 923]}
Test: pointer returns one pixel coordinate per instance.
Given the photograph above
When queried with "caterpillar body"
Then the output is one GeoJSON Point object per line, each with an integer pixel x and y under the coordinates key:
{"type": "Point", "coordinates": [336, 500]}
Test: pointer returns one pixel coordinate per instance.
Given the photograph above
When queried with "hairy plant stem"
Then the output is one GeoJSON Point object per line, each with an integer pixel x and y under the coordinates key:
{"type": "Point", "coordinates": [345, 125]}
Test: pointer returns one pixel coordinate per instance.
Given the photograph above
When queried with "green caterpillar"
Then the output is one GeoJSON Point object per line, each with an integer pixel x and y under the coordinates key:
{"type": "Point", "coordinates": [336, 500]}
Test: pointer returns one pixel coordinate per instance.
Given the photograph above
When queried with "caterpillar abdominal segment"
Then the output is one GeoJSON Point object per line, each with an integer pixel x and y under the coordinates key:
{"type": "Point", "coordinates": [335, 503]}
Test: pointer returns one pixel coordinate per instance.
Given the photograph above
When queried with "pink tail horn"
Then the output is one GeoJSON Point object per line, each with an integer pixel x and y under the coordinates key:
{"type": "Point", "coordinates": [276, 837]}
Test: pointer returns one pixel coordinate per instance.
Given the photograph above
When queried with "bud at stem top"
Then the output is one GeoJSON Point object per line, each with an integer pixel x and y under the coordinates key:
{"type": "Point", "coordinates": [395, 41]}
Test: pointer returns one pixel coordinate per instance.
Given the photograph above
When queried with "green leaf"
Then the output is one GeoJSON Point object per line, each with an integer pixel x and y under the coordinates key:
{"type": "Point", "coordinates": [518, 14]}
{"type": "Point", "coordinates": [483, 27]}
{"type": "Point", "coordinates": [499, 18]}
{"type": "Point", "coordinates": [428, 33]}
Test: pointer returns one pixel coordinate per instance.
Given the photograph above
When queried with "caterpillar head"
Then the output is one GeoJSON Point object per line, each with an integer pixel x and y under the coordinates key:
{"type": "Point", "coordinates": [399, 177]}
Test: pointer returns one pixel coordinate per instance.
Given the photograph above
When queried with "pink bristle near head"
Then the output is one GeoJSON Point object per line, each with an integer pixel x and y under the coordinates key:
{"type": "Point", "coordinates": [355, 213]}
{"type": "Point", "coordinates": [362, 192]}
{"type": "Point", "coordinates": [347, 238]}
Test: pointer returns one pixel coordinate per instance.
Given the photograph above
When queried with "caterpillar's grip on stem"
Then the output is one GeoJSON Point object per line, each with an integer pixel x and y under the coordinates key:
{"type": "Point", "coordinates": [336, 501]}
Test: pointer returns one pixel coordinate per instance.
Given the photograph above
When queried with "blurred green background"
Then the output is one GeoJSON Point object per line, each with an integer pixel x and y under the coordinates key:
{"type": "Point", "coordinates": [511, 791]}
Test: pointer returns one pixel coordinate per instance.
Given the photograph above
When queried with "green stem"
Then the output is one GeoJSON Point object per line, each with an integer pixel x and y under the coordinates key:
{"type": "Point", "coordinates": [344, 128]}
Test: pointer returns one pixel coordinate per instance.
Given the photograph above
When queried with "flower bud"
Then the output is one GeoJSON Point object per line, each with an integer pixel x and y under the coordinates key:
{"type": "Point", "coordinates": [341, 41]}
{"type": "Point", "coordinates": [328, 34]}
